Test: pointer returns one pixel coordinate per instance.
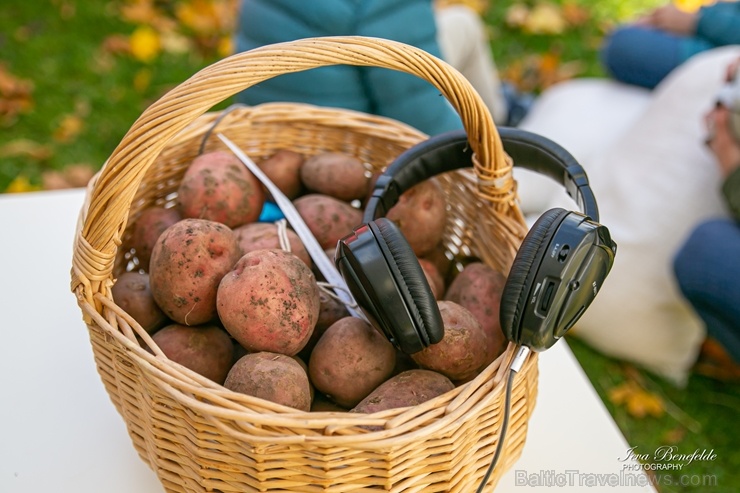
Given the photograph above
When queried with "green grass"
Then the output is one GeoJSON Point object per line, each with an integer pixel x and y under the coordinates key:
{"type": "Point", "coordinates": [59, 49]}
{"type": "Point", "coordinates": [577, 43]}
{"type": "Point", "coordinates": [57, 46]}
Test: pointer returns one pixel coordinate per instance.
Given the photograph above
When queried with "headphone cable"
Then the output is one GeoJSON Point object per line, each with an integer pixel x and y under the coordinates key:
{"type": "Point", "coordinates": [516, 366]}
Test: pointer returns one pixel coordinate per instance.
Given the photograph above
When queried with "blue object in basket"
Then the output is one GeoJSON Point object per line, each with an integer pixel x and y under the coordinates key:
{"type": "Point", "coordinates": [270, 213]}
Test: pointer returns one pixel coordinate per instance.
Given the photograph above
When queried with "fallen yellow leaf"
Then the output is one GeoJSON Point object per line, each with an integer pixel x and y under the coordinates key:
{"type": "Point", "coordinates": [142, 79]}
{"type": "Point", "coordinates": [638, 401]}
{"type": "Point", "coordinates": [145, 44]}
{"type": "Point", "coordinates": [176, 43]}
{"type": "Point", "coordinates": [15, 95]}
{"type": "Point", "coordinates": [54, 180]}
{"type": "Point", "coordinates": [516, 15]}
{"type": "Point", "coordinates": [69, 128]}
{"type": "Point", "coordinates": [116, 44]}
{"type": "Point", "coordinates": [21, 184]}
{"type": "Point", "coordinates": [574, 14]}
{"type": "Point", "coordinates": [25, 148]}
{"type": "Point", "coordinates": [691, 5]}
{"type": "Point", "coordinates": [225, 46]}
{"type": "Point", "coordinates": [78, 175]}
{"type": "Point", "coordinates": [674, 436]}
{"type": "Point", "coordinates": [545, 18]}
{"type": "Point", "coordinates": [199, 15]}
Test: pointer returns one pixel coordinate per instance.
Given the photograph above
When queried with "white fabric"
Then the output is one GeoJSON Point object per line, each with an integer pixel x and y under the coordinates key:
{"type": "Point", "coordinates": [654, 179]}
{"type": "Point", "coordinates": [463, 41]}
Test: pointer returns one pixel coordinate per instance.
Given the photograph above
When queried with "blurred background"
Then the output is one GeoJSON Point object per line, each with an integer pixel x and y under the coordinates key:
{"type": "Point", "coordinates": [74, 75]}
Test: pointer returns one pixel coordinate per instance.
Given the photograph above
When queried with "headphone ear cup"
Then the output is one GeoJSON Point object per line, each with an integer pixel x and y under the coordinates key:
{"type": "Point", "coordinates": [523, 270]}
{"type": "Point", "coordinates": [412, 284]}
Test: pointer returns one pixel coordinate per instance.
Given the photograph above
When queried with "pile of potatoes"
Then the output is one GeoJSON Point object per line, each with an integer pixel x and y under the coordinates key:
{"type": "Point", "coordinates": [238, 300]}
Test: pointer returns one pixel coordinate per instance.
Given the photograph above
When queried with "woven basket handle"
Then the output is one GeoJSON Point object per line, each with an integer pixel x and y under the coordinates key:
{"type": "Point", "coordinates": [104, 221]}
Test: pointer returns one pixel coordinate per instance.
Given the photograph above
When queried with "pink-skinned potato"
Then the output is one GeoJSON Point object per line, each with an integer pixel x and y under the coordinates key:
{"type": "Point", "coordinates": [330, 310]}
{"type": "Point", "coordinates": [336, 174]}
{"type": "Point", "coordinates": [329, 219]}
{"type": "Point", "coordinates": [218, 187]}
{"type": "Point", "coordinates": [273, 377]}
{"type": "Point", "coordinates": [350, 360]}
{"type": "Point", "coordinates": [478, 288]}
{"type": "Point", "coordinates": [284, 169]}
{"type": "Point", "coordinates": [442, 261]}
{"type": "Point", "coordinates": [188, 262]}
{"type": "Point", "coordinates": [205, 349]}
{"type": "Point", "coordinates": [269, 301]}
{"type": "Point", "coordinates": [436, 282]}
{"type": "Point", "coordinates": [421, 215]}
{"type": "Point", "coordinates": [462, 352]}
{"type": "Point", "coordinates": [151, 223]}
{"type": "Point", "coordinates": [410, 388]}
{"type": "Point", "coordinates": [133, 293]}
{"type": "Point", "coordinates": [258, 236]}
{"type": "Point", "coordinates": [322, 404]}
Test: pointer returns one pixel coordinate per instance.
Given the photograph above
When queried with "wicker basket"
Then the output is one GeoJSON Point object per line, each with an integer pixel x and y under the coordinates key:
{"type": "Point", "coordinates": [197, 435]}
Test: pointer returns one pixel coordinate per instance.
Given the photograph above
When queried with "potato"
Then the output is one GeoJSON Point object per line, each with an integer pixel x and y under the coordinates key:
{"type": "Point", "coordinates": [329, 219]}
{"type": "Point", "coordinates": [441, 258]}
{"type": "Point", "coordinates": [218, 187]}
{"type": "Point", "coordinates": [322, 404]}
{"type": "Point", "coordinates": [421, 215]}
{"type": "Point", "coordinates": [269, 301]}
{"type": "Point", "coordinates": [257, 236]}
{"type": "Point", "coordinates": [462, 352]}
{"type": "Point", "coordinates": [404, 362]}
{"type": "Point", "coordinates": [239, 351]}
{"type": "Point", "coordinates": [304, 365]}
{"type": "Point", "coordinates": [330, 310]}
{"type": "Point", "coordinates": [434, 278]}
{"type": "Point", "coordinates": [133, 293]}
{"type": "Point", "coordinates": [151, 223]}
{"type": "Point", "coordinates": [350, 360]}
{"type": "Point", "coordinates": [205, 349]}
{"type": "Point", "coordinates": [406, 389]}
{"type": "Point", "coordinates": [336, 174]}
{"type": "Point", "coordinates": [478, 288]}
{"type": "Point", "coordinates": [188, 262]}
{"type": "Point", "coordinates": [284, 169]}
{"type": "Point", "coordinates": [274, 377]}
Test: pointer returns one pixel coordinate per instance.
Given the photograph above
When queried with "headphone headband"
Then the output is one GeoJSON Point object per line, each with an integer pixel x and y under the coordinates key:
{"type": "Point", "coordinates": [558, 270]}
{"type": "Point", "coordinates": [450, 151]}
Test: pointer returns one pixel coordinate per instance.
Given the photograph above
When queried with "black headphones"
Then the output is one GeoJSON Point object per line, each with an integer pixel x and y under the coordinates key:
{"type": "Point", "coordinates": [558, 270]}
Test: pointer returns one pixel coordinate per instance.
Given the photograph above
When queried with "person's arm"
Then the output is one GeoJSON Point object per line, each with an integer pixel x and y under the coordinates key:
{"type": "Point", "coordinates": [725, 142]}
{"type": "Point", "coordinates": [671, 19]}
{"type": "Point", "coordinates": [719, 23]}
{"type": "Point", "coordinates": [726, 149]}
{"type": "Point", "coordinates": [731, 192]}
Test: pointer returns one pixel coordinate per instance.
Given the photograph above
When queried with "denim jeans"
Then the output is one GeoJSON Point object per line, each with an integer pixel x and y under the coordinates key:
{"type": "Point", "coordinates": [707, 268]}
{"type": "Point", "coordinates": [642, 56]}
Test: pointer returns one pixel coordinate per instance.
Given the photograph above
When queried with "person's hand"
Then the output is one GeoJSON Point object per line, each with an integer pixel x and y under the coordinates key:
{"type": "Point", "coordinates": [732, 70]}
{"type": "Point", "coordinates": [671, 19]}
{"type": "Point", "coordinates": [720, 140]}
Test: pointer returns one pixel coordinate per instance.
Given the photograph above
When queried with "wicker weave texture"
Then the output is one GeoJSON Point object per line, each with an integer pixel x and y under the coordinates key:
{"type": "Point", "coordinates": [198, 436]}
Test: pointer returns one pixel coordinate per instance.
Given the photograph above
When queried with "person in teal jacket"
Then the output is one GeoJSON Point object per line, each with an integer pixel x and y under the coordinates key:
{"type": "Point", "coordinates": [403, 97]}
{"type": "Point", "coordinates": [645, 52]}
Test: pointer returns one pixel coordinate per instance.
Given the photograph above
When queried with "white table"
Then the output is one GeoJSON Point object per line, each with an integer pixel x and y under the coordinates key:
{"type": "Point", "coordinates": [61, 433]}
